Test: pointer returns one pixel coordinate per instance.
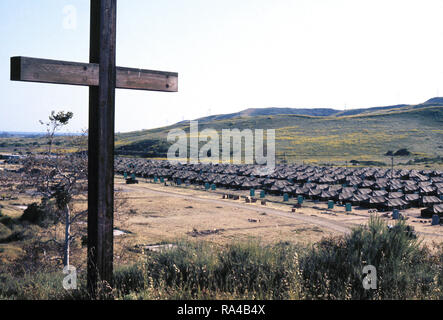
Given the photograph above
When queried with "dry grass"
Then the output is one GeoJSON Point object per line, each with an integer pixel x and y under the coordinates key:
{"type": "Point", "coordinates": [154, 213]}
{"type": "Point", "coordinates": [164, 216]}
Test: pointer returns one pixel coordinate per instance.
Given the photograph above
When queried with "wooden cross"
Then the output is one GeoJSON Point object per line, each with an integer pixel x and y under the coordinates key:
{"type": "Point", "coordinates": [102, 77]}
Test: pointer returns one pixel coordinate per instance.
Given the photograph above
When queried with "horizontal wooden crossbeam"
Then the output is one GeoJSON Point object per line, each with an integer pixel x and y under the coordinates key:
{"type": "Point", "coordinates": [87, 74]}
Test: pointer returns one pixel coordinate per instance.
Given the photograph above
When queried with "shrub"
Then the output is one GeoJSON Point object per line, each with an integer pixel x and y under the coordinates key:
{"type": "Point", "coordinates": [244, 270]}
{"type": "Point", "coordinates": [35, 286]}
{"type": "Point", "coordinates": [32, 213]}
{"type": "Point", "coordinates": [5, 232]}
{"type": "Point", "coordinates": [13, 236]}
{"type": "Point", "coordinates": [259, 272]}
{"type": "Point", "coordinates": [333, 268]}
{"type": "Point", "coordinates": [129, 279]}
{"type": "Point", "coordinates": [7, 221]}
{"type": "Point", "coordinates": [17, 232]}
{"type": "Point", "coordinates": [189, 268]}
{"type": "Point", "coordinates": [402, 152]}
{"type": "Point", "coordinates": [40, 214]}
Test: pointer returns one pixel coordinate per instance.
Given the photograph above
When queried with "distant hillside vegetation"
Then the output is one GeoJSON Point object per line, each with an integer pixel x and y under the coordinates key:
{"type": "Point", "coordinates": [434, 101]}
{"type": "Point", "coordinates": [254, 112]}
{"type": "Point", "coordinates": [323, 136]}
{"type": "Point", "coordinates": [316, 112]}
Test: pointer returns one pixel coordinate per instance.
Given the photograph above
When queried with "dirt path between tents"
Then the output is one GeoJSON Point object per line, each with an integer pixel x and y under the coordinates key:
{"type": "Point", "coordinates": [336, 223]}
{"type": "Point", "coordinates": [321, 222]}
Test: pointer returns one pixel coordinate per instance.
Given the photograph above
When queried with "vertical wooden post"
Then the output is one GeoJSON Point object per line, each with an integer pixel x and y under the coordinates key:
{"type": "Point", "coordinates": [101, 145]}
{"type": "Point", "coordinates": [102, 86]}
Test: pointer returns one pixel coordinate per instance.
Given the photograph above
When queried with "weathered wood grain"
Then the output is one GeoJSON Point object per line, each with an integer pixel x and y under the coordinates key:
{"type": "Point", "coordinates": [101, 146]}
{"type": "Point", "coordinates": [102, 77]}
{"type": "Point", "coordinates": [87, 74]}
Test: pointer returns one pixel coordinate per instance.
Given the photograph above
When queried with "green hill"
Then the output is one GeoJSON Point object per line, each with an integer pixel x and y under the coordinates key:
{"type": "Point", "coordinates": [337, 138]}
{"type": "Point", "coordinates": [317, 112]}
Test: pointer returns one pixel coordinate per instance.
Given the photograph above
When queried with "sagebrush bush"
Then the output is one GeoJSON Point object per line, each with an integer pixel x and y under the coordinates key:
{"type": "Point", "coordinates": [261, 272]}
{"type": "Point", "coordinates": [333, 269]}
{"type": "Point", "coordinates": [35, 286]}
{"type": "Point", "coordinates": [189, 268]}
{"type": "Point", "coordinates": [129, 279]}
{"type": "Point", "coordinates": [330, 269]}
{"type": "Point", "coordinates": [5, 232]}
{"type": "Point", "coordinates": [11, 230]}
{"type": "Point", "coordinates": [8, 221]}
{"type": "Point", "coordinates": [43, 214]}
{"type": "Point", "coordinates": [244, 270]}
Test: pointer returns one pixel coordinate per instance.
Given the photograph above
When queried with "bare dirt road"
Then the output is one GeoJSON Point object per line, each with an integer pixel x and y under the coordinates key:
{"type": "Point", "coordinates": [179, 210]}
{"type": "Point", "coordinates": [321, 222]}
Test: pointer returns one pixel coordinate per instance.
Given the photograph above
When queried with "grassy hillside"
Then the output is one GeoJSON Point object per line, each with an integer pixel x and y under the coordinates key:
{"type": "Point", "coordinates": [318, 112]}
{"type": "Point", "coordinates": [336, 138]}
{"type": "Point", "coordinates": [363, 137]}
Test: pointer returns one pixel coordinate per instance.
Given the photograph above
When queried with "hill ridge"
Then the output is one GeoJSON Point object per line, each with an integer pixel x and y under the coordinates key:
{"type": "Point", "coordinates": [366, 136]}
{"type": "Point", "coordinates": [315, 112]}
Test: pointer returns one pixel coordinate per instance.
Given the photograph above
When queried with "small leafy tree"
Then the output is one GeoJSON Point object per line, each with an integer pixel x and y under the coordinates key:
{"type": "Point", "coordinates": [56, 122]}
{"type": "Point", "coordinates": [59, 178]}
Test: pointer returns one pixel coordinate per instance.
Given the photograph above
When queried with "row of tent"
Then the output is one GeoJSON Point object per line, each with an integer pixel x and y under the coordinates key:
{"type": "Point", "coordinates": [368, 187]}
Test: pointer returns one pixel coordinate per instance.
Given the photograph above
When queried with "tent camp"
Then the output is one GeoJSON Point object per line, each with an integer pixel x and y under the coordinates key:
{"type": "Point", "coordinates": [375, 187]}
{"type": "Point", "coordinates": [428, 201]}
{"type": "Point", "coordinates": [396, 203]}
{"type": "Point", "coordinates": [435, 209]}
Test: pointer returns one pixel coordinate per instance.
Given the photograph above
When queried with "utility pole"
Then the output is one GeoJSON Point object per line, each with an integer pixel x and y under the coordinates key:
{"type": "Point", "coordinates": [392, 166]}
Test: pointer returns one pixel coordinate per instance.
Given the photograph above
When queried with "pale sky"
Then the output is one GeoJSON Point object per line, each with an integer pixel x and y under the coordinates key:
{"type": "Point", "coordinates": [230, 55]}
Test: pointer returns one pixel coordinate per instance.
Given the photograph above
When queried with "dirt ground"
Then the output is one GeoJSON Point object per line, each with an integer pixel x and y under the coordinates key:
{"type": "Point", "coordinates": [163, 213]}
{"type": "Point", "coordinates": [152, 214]}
